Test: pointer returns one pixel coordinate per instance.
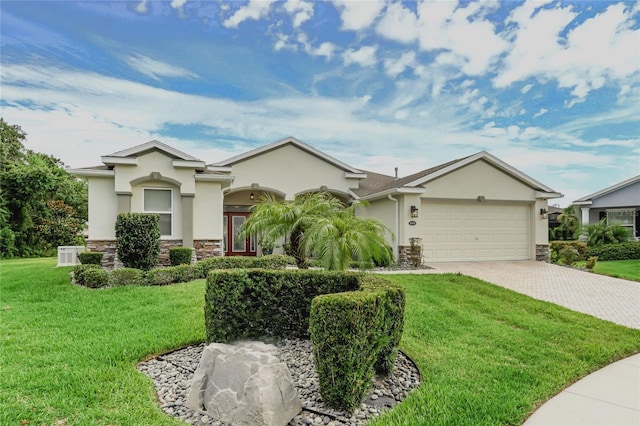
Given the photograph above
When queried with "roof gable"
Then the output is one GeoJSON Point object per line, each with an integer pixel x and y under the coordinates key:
{"type": "Point", "coordinates": [608, 190]}
{"type": "Point", "coordinates": [283, 142]}
{"type": "Point", "coordinates": [150, 146]}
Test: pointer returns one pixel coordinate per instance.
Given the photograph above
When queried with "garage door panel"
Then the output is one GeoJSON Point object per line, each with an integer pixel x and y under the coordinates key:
{"type": "Point", "coordinates": [475, 231]}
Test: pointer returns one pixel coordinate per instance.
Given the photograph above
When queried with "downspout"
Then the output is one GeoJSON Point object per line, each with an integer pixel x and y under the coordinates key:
{"type": "Point", "coordinates": [397, 228]}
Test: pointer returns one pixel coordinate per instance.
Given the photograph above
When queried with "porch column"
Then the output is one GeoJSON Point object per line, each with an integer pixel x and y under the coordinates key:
{"type": "Point", "coordinates": [585, 215]}
{"type": "Point", "coordinates": [124, 202]}
{"type": "Point", "coordinates": [187, 220]}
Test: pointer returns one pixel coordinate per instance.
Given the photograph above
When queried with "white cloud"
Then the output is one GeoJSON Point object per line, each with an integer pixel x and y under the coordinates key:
{"type": "Point", "coordinates": [541, 112]}
{"type": "Point", "coordinates": [395, 67]}
{"type": "Point", "coordinates": [255, 9]}
{"type": "Point", "coordinates": [177, 4]}
{"type": "Point", "coordinates": [301, 11]}
{"type": "Point", "coordinates": [325, 49]}
{"type": "Point", "coordinates": [157, 69]}
{"type": "Point", "coordinates": [399, 24]}
{"type": "Point", "coordinates": [365, 56]}
{"type": "Point", "coordinates": [525, 89]}
{"type": "Point", "coordinates": [358, 15]}
{"type": "Point", "coordinates": [142, 7]}
{"type": "Point", "coordinates": [601, 49]}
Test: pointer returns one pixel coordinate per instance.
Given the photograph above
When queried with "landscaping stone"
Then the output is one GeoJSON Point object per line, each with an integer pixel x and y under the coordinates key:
{"type": "Point", "coordinates": [244, 384]}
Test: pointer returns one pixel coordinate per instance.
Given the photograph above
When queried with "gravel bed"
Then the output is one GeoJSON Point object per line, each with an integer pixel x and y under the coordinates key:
{"type": "Point", "coordinates": [171, 373]}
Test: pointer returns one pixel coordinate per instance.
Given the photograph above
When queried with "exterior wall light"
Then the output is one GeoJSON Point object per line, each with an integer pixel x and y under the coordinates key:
{"type": "Point", "coordinates": [251, 196]}
{"type": "Point", "coordinates": [414, 211]}
{"type": "Point", "coordinates": [543, 213]}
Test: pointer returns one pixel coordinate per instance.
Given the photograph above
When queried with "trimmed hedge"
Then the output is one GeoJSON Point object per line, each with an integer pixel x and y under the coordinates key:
{"type": "Point", "coordinates": [138, 239]}
{"type": "Point", "coordinates": [272, 261]}
{"type": "Point", "coordinates": [90, 258]}
{"type": "Point", "coordinates": [259, 303]}
{"type": "Point", "coordinates": [619, 251]}
{"type": "Point", "coordinates": [126, 276]}
{"type": "Point", "coordinates": [96, 278]}
{"type": "Point", "coordinates": [80, 270]}
{"type": "Point", "coordinates": [180, 256]}
{"type": "Point", "coordinates": [346, 332]}
{"type": "Point", "coordinates": [567, 252]}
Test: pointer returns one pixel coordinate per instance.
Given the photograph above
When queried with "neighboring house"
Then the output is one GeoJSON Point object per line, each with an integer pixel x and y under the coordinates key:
{"type": "Point", "coordinates": [473, 208]}
{"type": "Point", "coordinates": [619, 204]}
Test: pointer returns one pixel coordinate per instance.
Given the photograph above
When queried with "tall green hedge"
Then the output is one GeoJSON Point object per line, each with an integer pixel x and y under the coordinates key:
{"type": "Point", "coordinates": [180, 255]}
{"type": "Point", "coordinates": [272, 261]}
{"type": "Point", "coordinates": [259, 303]}
{"type": "Point", "coordinates": [138, 240]}
{"type": "Point", "coordinates": [619, 251]}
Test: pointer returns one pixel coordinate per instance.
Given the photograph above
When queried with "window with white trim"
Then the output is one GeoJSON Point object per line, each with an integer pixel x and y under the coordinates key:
{"type": "Point", "coordinates": [160, 201]}
{"type": "Point", "coordinates": [622, 217]}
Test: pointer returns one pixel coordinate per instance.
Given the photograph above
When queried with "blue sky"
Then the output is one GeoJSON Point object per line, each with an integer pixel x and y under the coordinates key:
{"type": "Point", "coordinates": [551, 87]}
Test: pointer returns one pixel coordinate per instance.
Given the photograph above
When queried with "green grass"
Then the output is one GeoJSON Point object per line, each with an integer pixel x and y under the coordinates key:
{"type": "Point", "coordinates": [487, 355]}
{"type": "Point", "coordinates": [627, 269]}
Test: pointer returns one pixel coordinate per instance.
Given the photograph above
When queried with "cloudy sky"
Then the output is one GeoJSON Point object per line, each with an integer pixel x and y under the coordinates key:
{"type": "Point", "coordinates": [551, 87]}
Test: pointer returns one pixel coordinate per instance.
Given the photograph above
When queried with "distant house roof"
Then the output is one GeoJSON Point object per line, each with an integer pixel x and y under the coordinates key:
{"type": "Point", "coordinates": [371, 188]}
{"type": "Point", "coordinates": [589, 198]}
{"type": "Point", "coordinates": [287, 141]}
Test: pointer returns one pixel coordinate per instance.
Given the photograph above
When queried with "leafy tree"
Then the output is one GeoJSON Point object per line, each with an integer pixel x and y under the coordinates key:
{"type": "Point", "coordinates": [28, 182]}
{"type": "Point", "coordinates": [318, 223]}
{"type": "Point", "coordinates": [59, 227]}
{"type": "Point", "coordinates": [342, 238]}
{"type": "Point", "coordinates": [603, 233]}
{"type": "Point", "coordinates": [569, 224]}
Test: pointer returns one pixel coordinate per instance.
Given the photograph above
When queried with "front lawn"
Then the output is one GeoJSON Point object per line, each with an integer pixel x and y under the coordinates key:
{"type": "Point", "coordinates": [487, 355]}
{"type": "Point", "coordinates": [627, 269]}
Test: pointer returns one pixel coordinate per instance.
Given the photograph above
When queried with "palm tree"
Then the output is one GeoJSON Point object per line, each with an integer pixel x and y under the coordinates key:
{"type": "Point", "coordinates": [342, 238]}
{"type": "Point", "coordinates": [569, 223]}
{"type": "Point", "coordinates": [273, 219]}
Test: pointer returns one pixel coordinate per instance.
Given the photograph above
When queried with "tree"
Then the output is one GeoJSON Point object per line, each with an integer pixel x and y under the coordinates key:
{"type": "Point", "coordinates": [342, 238]}
{"type": "Point", "coordinates": [569, 223]}
{"type": "Point", "coordinates": [28, 182]}
{"type": "Point", "coordinates": [318, 223]}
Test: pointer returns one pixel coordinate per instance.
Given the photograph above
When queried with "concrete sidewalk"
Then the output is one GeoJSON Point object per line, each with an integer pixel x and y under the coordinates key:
{"type": "Point", "coordinates": [610, 396]}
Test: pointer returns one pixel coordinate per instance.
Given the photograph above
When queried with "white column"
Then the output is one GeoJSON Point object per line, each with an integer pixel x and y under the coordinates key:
{"type": "Point", "coordinates": [585, 215]}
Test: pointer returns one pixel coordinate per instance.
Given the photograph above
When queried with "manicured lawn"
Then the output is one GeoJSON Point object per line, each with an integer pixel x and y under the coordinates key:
{"type": "Point", "coordinates": [487, 355]}
{"type": "Point", "coordinates": [627, 269]}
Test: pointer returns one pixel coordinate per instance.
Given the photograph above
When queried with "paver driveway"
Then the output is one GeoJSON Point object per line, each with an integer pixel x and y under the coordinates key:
{"type": "Point", "coordinates": [608, 298]}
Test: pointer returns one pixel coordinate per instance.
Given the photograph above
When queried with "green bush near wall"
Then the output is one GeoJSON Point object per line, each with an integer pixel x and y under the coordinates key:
{"type": "Point", "coordinates": [126, 276]}
{"type": "Point", "coordinates": [138, 239]}
{"type": "Point", "coordinates": [180, 255]}
{"type": "Point", "coordinates": [619, 251]}
{"type": "Point", "coordinates": [272, 261]}
{"type": "Point", "coordinates": [96, 278]}
{"type": "Point", "coordinates": [355, 321]}
{"type": "Point", "coordinates": [80, 270]}
{"type": "Point", "coordinates": [567, 252]}
{"type": "Point", "coordinates": [90, 258]}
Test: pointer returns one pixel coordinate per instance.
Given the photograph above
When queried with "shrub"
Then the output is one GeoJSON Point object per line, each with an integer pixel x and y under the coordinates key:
{"type": "Point", "coordinates": [591, 262]}
{"type": "Point", "coordinates": [96, 278]}
{"type": "Point", "coordinates": [272, 261]}
{"type": "Point", "coordinates": [620, 251]}
{"type": "Point", "coordinates": [346, 336]}
{"type": "Point", "coordinates": [90, 258]}
{"type": "Point", "coordinates": [160, 276]}
{"type": "Point", "coordinates": [258, 303]}
{"type": "Point", "coordinates": [180, 255]}
{"type": "Point", "coordinates": [603, 233]}
{"type": "Point", "coordinates": [138, 240]}
{"type": "Point", "coordinates": [79, 272]}
{"type": "Point", "coordinates": [126, 276]}
{"type": "Point", "coordinates": [567, 252]}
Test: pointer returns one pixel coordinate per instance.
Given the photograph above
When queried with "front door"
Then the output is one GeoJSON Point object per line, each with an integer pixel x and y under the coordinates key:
{"type": "Point", "coordinates": [234, 246]}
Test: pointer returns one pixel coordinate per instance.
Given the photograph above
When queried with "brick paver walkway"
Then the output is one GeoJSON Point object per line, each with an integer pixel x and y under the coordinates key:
{"type": "Point", "coordinates": [603, 297]}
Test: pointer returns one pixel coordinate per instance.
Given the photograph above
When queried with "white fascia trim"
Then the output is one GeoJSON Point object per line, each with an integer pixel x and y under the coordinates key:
{"type": "Point", "coordinates": [154, 144]}
{"type": "Point", "coordinates": [214, 178]}
{"type": "Point", "coordinates": [609, 189]}
{"type": "Point", "coordinates": [222, 169]}
{"type": "Point", "coordinates": [540, 195]}
{"type": "Point", "coordinates": [186, 164]}
{"type": "Point", "coordinates": [353, 195]}
{"type": "Point", "coordinates": [483, 155]}
{"type": "Point", "coordinates": [303, 146]}
{"type": "Point", "coordinates": [402, 190]}
{"type": "Point", "coordinates": [582, 203]}
{"type": "Point", "coordinates": [123, 161]}
{"type": "Point", "coordinates": [348, 175]}
{"type": "Point", "coordinates": [91, 173]}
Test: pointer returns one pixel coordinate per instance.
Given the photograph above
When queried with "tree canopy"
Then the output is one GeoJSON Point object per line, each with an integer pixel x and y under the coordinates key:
{"type": "Point", "coordinates": [41, 205]}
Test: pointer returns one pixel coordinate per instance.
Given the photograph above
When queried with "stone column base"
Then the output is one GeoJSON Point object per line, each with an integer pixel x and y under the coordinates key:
{"type": "Point", "coordinates": [542, 252]}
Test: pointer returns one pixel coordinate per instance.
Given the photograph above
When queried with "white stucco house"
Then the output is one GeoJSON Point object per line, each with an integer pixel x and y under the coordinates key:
{"type": "Point", "coordinates": [618, 204]}
{"type": "Point", "coordinates": [472, 208]}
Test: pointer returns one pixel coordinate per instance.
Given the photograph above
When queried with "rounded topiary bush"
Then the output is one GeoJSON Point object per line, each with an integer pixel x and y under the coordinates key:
{"type": "Point", "coordinates": [138, 240]}
{"type": "Point", "coordinates": [90, 258]}
{"type": "Point", "coordinates": [180, 256]}
{"type": "Point", "coordinates": [96, 278]}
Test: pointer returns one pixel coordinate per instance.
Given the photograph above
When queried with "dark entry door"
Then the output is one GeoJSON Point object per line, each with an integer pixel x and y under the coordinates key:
{"type": "Point", "coordinates": [235, 246]}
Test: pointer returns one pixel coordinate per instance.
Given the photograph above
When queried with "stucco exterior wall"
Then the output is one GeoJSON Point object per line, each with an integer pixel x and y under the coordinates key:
{"type": "Point", "coordinates": [628, 196]}
{"type": "Point", "coordinates": [103, 208]}
{"type": "Point", "coordinates": [385, 211]}
{"type": "Point", "coordinates": [137, 204]}
{"type": "Point", "coordinates": [478, 179]}
{"type": "Point", "coordinates": [207, 211]}
{"type": "Point", "coordinates": [290, 170]}
{"type": "Point", "coordinates": [154, 162]}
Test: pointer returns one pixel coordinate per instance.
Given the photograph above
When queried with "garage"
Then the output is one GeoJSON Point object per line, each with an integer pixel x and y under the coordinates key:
{"type": "Point", "coordinates": [475, 231]}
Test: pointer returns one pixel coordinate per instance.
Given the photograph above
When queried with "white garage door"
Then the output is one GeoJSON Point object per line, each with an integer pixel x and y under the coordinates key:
{"type": "Point", "coordinates": [474, 231]}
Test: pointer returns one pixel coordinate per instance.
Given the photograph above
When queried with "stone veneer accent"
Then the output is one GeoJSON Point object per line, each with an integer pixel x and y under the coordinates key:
{"type": "Point", "coordinates": [202, 250]}
{"type": "Point", "coordinates": [542, 252]}
{"type": "Point", "coordinates": [404, 256]}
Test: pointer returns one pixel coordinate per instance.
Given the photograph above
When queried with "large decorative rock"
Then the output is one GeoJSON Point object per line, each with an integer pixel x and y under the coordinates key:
{"type": "Point", "coordinates": [244, 384]}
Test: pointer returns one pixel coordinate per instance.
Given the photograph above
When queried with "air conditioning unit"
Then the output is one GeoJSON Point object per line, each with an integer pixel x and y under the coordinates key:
{"type": "Point", "coordinates": [68, 255]}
